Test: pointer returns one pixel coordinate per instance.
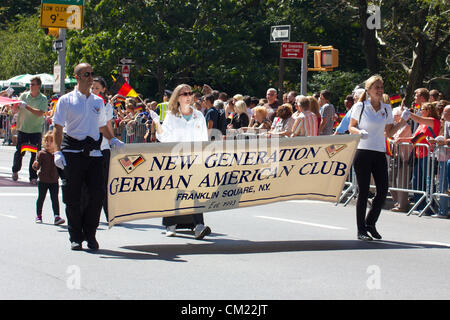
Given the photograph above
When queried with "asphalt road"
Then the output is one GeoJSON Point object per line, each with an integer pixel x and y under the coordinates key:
{"type": "Point", "coordinates": [284, 251]}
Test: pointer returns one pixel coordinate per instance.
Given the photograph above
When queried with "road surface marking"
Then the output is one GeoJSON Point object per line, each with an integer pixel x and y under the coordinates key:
{"type": "Point", "coordinates": [18, 194]}
{"type": "Point", "coordinates": [8, 216]}
{"type": "Point", "coordinates": [304, 223]}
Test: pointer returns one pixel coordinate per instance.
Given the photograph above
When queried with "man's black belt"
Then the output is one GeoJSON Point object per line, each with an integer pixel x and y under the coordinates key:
{"type": "Point", "coordinates": [86, 145]}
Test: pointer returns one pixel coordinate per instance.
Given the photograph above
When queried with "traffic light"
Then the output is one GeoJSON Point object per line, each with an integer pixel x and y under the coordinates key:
{"type": "Point", "coordinates": [54, 32]}
{"type": "Point", "coordinates": [326, 58]}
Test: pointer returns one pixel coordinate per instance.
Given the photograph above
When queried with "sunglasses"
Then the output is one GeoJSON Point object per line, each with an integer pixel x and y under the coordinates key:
{"type": "Point", "coordinates": [87, 74]}
{"type": "Point", "coordinates": [186, 94]}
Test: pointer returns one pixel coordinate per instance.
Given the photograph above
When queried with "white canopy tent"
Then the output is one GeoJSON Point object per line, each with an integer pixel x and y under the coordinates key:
{"type": "Point", "coordinates": [23, 80]}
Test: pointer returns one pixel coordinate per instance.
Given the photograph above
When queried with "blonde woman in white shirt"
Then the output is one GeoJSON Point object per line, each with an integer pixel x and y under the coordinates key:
{"type": "Point", "coordinates": [372, 119]}
{"type": "Point", "coordinates": [183, 123]}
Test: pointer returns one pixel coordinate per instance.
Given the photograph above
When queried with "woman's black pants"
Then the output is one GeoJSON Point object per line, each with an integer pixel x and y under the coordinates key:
{"type": "Point", "coordinates": [370, 163]}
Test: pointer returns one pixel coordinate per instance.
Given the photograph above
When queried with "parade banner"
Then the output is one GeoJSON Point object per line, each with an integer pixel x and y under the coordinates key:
{"type": "Point", "coordinates": [150, 180]}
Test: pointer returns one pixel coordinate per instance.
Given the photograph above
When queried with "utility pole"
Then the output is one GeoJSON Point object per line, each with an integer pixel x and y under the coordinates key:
{"type": "Point", "coordinates": [62, 62]}
{"type": "Point", "coordinates": [304, 73]}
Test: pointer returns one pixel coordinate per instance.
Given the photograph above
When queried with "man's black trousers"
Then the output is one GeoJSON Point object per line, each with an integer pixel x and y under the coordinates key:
{"type": "Point", "coordinates": [82, 172]}
{"type": "Point", "coordinates": [26, 138]}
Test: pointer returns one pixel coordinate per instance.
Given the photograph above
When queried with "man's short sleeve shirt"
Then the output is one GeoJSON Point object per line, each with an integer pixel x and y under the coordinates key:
{"type": "Point", "coordinates": [327, 112]}
{"type": "Point", "coordinates": [213, 115]}
{"type": "Point", "coordinates": [80, 116]}
{"type": "Point", "coordinates": [28, 122]}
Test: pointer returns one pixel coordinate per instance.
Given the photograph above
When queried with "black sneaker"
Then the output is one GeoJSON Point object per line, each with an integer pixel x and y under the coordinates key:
{"type": "Point", "coordinates": [75, 246]}
{"type": "Point", "coordinates": [201, 232]}
{"type": "Point", "coordinates": [93, 244]}
{"type": "Point", "coordinates": [374, 232]}
{"type": "Point", "coordinates": [364, 236]}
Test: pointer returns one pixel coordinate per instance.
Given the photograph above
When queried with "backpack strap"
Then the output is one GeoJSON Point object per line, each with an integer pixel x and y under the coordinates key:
{"type": "Point", "coordinates": [360, 115]}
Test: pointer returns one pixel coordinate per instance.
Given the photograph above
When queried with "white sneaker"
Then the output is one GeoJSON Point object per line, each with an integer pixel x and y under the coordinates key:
{"type": "Point", "coordinates": [201, 231]}
{"type": "Point", "coordinates": [171, 230]}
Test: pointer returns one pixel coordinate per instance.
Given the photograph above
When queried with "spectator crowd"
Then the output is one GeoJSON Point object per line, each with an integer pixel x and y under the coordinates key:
{"type": "Point", "coordinates": [293, 115]}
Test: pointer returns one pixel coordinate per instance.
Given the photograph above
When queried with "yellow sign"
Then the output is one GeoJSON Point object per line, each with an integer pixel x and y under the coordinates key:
{"type": "Point", "coordinates": [55, 15]}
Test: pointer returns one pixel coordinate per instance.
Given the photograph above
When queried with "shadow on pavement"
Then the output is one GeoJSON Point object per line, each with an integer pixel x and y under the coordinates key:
{"type": "Point", "coordinates": [134, 226]}
{"type": "Point", "coordinates": [174, 252]}
{"type": "Point", "coordinates": [8, 182]}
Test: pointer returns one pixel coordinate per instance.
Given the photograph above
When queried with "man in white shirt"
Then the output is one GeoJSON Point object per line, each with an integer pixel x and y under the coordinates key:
{"type": "Point", "coordinates": [82, 116]}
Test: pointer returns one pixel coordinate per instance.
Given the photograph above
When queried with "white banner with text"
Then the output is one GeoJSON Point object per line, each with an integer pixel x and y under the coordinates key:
{"type": "Point", "coordinates": [150, 180]}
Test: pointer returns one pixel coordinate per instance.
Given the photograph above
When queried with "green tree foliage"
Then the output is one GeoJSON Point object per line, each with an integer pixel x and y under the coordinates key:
{"type": "Point", "coordinates": [225, 43]}
{"type": "Point", "coordinates": [339, 83]}
{"type": "Point", "coordinates": [25, 49]}
{"type": "Point", "coordinates": [12, 10]}
{"type": "Point", "coordinates": [416, 45]}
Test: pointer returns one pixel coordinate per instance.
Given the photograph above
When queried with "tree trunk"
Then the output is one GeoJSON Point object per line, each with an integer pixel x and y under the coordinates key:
{"type": "Point", "coordinates": [160, 80]}
{"type": "Point", "coordinates": [418, 70]}
{"type": "Point", "coordinates": [369, 41]}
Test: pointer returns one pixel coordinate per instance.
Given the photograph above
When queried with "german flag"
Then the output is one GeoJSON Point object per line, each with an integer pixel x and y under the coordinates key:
{"type": "Point", "coordinates": [138, 108]}
{"type": "Point", "coordinates": [138, 161]}
{"type": "Point", "coordinates": [28, 147]}
{"type": "Point", "coordinates": [122, 87]}
{"type": "Point", "coordinates": [388, 147]}
{"type": "Point", "coordinates": [395, 99]}
{"type": "Point", "coordinates": [341, 116]}
{"type": "Point", "coordinates": [14, 126]}
{"type": "Point", "coordinates": [420, 138]}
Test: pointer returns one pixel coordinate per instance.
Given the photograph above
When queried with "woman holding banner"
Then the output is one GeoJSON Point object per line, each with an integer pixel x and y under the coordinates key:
{"type": "Point", "coordinates": [183, 123]}
{"type": "Point", "coordinates": [372, 119]}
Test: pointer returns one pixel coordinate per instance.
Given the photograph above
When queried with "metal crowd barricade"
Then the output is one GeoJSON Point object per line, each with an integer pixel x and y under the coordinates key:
{"type": "Point", "coordinates": [6, 128]}
{"type": "Point", "coordinates": [135, 132]}
{"type": "Point", "coordinates": [411, 174]}
{"type": "Point", "coordinates": [440, 185]}
{"type": "Point", "coordinates": [406, 174]}
{"type": "Point", "coordinates": [349, 186]}
{"type": "Point", "coordinates": [239, 134]}
{"type": "Point", "coordinates": [47, 125]}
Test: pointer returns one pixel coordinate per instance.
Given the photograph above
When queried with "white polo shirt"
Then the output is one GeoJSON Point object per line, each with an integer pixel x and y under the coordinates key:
{"type": "Point", "coordinates": [80, 116]}
{"type": "Point", "coordinates": [374, 123]}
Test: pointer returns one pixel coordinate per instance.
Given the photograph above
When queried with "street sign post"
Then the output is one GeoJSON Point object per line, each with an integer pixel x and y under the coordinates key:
{"type": "Point", "coordinates": [280, 33]}
{"type": "Point", "coordinates": [292, 50]}
{"type": "Point", "coordinates": [67, 14]}
{"type": "Point", "coordinates": [57, 77]}
{"type": "Point", "coordinates": [126, 72]}
{"type": "Point", "coordinates": [127, 61]}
